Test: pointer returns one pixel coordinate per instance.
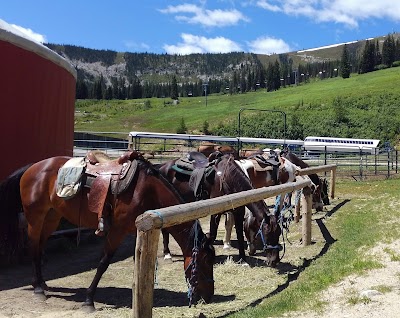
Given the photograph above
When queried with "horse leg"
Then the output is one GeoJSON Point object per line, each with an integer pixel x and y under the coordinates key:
{"type": "Point", "coordinates": [113, 240]}
{"type": "Point", "coordinates": [167, 252]}
{"type": "Point", "coordinates": [249, 221]}
{"type": "Point", "coordinates": [239, 218]}
{"type": "Point", "coordinates": [229, 221]}
{"type": "Point", "coordinates": [38, 233]}
{"type": "Point", "coordinates": [214, 222]}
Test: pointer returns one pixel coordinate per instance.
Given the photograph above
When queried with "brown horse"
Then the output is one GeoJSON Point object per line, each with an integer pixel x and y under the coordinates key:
{"type": "Point", "coordinates": [265, 177]}
{"type": "Point", "coordinates": [269, 171]}
{"type": "Point", "coordinates": [223, 176]}
{"type": "Point", "coordinates": [208, 148]}
{"type": "Point", "coordinates": [148, 190]}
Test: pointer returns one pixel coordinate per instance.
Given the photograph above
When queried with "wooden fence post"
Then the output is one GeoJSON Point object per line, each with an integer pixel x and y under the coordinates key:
{"type": "Point", "coordinates": [149, 226]}
{"type": "Point", "coordinates": [306, 205]}
{"type": "Point", "coordinates": [333, 180]}
{"type": "Point", "coordinates": [297, 211]}
{"type": "Point", "coordinates": [143, 276]}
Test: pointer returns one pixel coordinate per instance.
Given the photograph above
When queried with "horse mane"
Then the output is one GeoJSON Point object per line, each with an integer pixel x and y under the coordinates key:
{"type": "Point", "coordinates": [233, 173]}
{"type": "Point", "coordinates": [147, 167]}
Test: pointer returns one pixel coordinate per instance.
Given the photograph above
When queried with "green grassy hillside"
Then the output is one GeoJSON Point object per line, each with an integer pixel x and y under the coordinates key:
{"type": "Point", "coordinates": [362, 106]}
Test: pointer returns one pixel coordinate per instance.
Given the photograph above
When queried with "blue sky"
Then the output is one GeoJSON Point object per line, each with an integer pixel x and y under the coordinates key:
{"type": "Point", "coordinates": [192, 26]}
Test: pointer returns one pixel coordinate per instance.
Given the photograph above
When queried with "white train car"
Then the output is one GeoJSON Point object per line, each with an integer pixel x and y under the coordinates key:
{"type": "Point", "coordinates": [314, 143]}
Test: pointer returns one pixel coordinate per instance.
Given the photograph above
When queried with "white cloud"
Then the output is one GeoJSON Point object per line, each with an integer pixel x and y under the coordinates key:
{"type": "Point", "coordinates": [24, 32]}
{"type": "Point", "coordinates": [193, 14]}
{"type": "Point", "coordinates": [268, 45]}
{"type": "Point", "coordinates": [347, 12]}
{"type": "Point", "coordinates": [268, 6]}
{"type": "Point", "coordinates": [200, 44]}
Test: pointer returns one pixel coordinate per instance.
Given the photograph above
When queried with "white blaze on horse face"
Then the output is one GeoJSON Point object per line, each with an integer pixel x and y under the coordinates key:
{"type": "Point", "coordinates": [219, 173]}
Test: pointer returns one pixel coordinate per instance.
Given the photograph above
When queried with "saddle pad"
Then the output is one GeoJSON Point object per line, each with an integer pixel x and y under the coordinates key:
{"type": "Point", "coordinates": [69, 177]}
{"type": "Point", "coordinates": [184, 164]}
{"type": "Point", "coordinates": [245, 164]}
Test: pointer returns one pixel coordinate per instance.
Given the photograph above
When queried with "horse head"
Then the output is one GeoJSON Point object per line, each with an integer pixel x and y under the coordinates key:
{"type": "Point", "coordinates": [287, 171]}
{"type": "Point", "coordinates": [317, 203]}
{"type": "Point", "coordinates": [324, 191]}
{"type": "Point", "coordinates": [199, 266]}
{"type": "Point", "coordinates": [272, 232]}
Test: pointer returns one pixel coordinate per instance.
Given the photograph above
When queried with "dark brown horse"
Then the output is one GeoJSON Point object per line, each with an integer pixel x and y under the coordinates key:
{"type": "Point", "coordinates": [221, 176]}
{"type": "Point", "coordinates": [320, 196]}
{"type": "Point", "coordinates": [148, 190]}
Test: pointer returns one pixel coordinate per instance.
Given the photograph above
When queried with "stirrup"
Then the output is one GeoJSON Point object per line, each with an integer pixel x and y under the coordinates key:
{"type": "Point", "coordinates": [100, 228]}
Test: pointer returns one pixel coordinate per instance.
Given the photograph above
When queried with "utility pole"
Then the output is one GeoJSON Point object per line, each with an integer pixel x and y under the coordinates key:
{"type": "Point", "coordinates": [205, 91]}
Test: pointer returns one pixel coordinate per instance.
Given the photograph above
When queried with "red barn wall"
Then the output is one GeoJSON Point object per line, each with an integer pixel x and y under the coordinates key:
{"type": "Point", "coordinates": [37, 98]}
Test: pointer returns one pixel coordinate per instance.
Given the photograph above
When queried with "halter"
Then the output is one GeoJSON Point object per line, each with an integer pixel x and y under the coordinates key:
{"type": "Point", "coordinates": [267, 246]}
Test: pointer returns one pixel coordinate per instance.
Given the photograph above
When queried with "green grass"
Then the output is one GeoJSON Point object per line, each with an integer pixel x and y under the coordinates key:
{"type": "Point", "coordinates": [358, 225]}
{"type": "Point", "coordinates": [130, 115]}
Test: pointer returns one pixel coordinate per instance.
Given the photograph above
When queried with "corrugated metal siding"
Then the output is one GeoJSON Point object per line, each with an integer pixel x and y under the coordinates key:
{"type": "Point", "coordinates": [37, 99]}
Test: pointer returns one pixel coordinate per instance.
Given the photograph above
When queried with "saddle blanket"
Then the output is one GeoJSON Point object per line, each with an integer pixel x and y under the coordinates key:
{"type": "Point", "coordinates": [69, 177]}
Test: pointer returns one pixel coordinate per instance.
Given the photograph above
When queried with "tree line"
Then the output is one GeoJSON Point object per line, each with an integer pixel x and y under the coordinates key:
{"type": "Point", "coordinates": [150, 75]}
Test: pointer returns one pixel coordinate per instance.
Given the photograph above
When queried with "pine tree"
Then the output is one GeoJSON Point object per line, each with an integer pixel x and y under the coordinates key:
{"type": "Point", "coordinates": [174, 88]}
{"type": "Point", "coordinates": [388, 51]}
{"type": "Point", "coordinates": [344, 63]}
{"type": "Point", "coordinates": [397, 50]}
{"type": "Point", "coordinates": [182, 129]}
{"type": "Point", "coordinates": [378, 55]}
{"type": "Point", "coordinates": [367, 63]}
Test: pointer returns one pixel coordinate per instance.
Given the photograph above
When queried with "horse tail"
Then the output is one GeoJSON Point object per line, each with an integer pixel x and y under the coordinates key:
{"type": "Point", "coordinates": [10, 206]}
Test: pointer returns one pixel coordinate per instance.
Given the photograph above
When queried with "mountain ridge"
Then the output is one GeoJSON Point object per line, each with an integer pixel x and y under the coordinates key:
{"type": "Point", "coordinates": [92, 64]}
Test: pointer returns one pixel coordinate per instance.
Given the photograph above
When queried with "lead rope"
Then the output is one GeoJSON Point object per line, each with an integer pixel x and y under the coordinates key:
{"type": "Point", "coordinates": [156, 273]}
{"type": "Point", "coordinates": [193, 280]}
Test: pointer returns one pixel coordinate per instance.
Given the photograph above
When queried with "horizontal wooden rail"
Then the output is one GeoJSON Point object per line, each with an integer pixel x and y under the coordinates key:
{"type": "Point", "coordinates": [177, 214]}
{"type": "Point", "coordinates": [311, 170]}
{"type": "Point", "coordinates": [149, 224]}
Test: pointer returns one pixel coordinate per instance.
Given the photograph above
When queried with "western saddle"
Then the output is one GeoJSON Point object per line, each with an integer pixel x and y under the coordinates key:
{"type": "Point", "coordinates": [104, 175]}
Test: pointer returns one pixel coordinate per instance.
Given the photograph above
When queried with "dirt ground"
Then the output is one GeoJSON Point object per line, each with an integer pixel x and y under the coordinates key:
{"type": "Point", "coordinates": [69, 270]}
{"type": "Point", "coordinates": [374, 295]}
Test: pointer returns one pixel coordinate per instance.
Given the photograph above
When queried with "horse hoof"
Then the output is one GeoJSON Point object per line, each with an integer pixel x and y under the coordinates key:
{"type": "Point", "coordinates": [243, 263]}
{"type": "Point", "coordinates": [88, 307]}
{"type": "Point", "coordinates": [167, 257]}
{"type": "Point", "coordinates": [227, 246]}
{"type": "Point", "coordinates": [252, 250]}
{"type": "Point", "coordinates": [38, 292]}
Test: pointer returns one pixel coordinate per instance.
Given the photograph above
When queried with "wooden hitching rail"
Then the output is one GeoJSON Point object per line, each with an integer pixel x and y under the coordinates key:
{"type": "Point", "coordinates": [149, 226]}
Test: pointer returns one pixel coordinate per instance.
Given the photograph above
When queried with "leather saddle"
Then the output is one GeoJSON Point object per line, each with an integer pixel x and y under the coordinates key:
{"type": "Point", "coordinates": [197, 167]}
{"type": "Point", "coordinates": [104, 175]}
{"type": "Point", "coordinates": [264, 162]}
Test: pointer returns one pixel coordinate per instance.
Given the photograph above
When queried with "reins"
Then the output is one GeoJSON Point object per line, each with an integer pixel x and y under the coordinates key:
{"type": "Point", "coordinates": [193, 281]}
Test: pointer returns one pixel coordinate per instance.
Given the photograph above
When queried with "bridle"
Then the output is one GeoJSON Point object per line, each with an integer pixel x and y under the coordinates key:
{"type": "Point", "coordinates": [267, 246]}
{"type": "Point", "coordinates": [193, 281]}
